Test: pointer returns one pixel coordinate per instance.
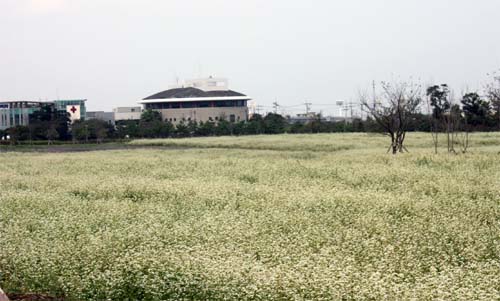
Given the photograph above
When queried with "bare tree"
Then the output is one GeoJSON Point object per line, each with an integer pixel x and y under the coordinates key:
{"type": "Point", "coordinates": [394, 110]}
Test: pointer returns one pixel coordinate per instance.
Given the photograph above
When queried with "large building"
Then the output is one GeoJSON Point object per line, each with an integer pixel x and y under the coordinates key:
{"type": "Point", "coordinates": [14, 113]}
{"type": "Point", "coordinates": [207, 99]}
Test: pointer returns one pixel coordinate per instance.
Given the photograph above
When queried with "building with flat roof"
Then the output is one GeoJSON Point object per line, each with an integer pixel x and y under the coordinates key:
{"type": "Point", "coordinates": [108, 117]}
{"type": "Point", "coordinates": [206, 99]}
{"type": "Point", "coordinates": [127, 113]}
{"type": "Point", "coordinates": [14, 113]}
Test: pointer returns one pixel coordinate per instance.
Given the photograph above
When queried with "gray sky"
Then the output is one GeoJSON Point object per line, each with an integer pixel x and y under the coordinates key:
{"type": "Point", "coordinates": [115, 52]}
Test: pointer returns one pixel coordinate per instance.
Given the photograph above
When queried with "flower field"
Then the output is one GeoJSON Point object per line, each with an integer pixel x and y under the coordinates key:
{"type": "Point", "coordinates": [288, 217]}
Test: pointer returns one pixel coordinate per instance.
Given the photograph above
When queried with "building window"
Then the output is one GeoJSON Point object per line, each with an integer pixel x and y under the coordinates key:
{"type": "Point", "coordinates": [175, 119]}
{"type": "Point", "coordinates": [189, 118]}
{"type": "Point", "coordinates": [210, 118]}
{"type": "Point", "coordinates": [216, 118]}
{"type": "Point", "coordinates": [232, 118]}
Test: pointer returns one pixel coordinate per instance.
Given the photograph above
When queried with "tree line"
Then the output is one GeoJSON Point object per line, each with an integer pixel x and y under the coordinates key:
{"type": "Point", "coordinates": [400, 108]}
{"type": "Point", "coordinates": [395, 108]}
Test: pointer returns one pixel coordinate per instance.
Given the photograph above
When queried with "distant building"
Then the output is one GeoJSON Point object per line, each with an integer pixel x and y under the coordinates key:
{"type": "Point", "coordinates": [75, 107]}
{"type": "Point", "coordinates": [127, 113]}
{"type": "Point", "coordinates": [14, 113]}
{"type": "Point", "coordinates": [311, 116]}
{"type": "Point", "coordinates": [206, 99]}
{"type": "Point", "coordinates": [304, 118]}
{"type": "Point", "coordinates": [108, 117]}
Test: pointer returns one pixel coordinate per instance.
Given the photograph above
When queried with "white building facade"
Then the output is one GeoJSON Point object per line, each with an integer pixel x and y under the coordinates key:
{"type": "Point", "coordinates": [127, 113]}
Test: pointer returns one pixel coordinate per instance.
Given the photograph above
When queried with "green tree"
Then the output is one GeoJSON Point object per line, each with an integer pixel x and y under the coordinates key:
{"type": "Point", "coordinates": [255, 125]}
{"type": "Point", "coordinates": [206, 128]}
{"type": "Point", "coordinates": [439, 101]}
{"type": "Point", "coordinates": [239, 128]}
{"type": "Point", "coordinates": [181, 129]}
{"type": "Point", "coordinates": [274, 124]}
{"type": "Point", "coordinates": [493, 91]}
{"type": "Point", "coordinates": [49, 119]}
{"type": "Point", "coordinates": [192, 127]}
{"type": "Point", "coordinates": [150, 115]}
{"type": "Point", "coordinates": [476, 109]}
{"type": "Point", "coordinates": [18, 133]}
{"type": "Point", "coordinates": [223, 128]}
{"type": "Point", "coordinates": [152, 125]}
{"type": "Point", "coordinates": [438, 98]}
{"type": "Point", "coordinates": [52, 134]}
{"type": "Point", "coordinates": [93, 129]}
{"type": "Point", "coordinates": [128, 129]}
{"type": "Point", "coordinates": [80, 131]}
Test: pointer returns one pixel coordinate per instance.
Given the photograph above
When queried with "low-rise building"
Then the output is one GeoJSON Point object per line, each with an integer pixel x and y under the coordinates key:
{"type": "Point", "coordinates": [206, 99]}
{"type": "Point", "coordinates": [108, 117]}
{"type": "Point", "coordinates": [127, 113]}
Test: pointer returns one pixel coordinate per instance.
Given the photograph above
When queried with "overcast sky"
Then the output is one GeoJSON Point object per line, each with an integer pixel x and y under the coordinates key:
{"type": "Point", "coordinates": [115, 52]}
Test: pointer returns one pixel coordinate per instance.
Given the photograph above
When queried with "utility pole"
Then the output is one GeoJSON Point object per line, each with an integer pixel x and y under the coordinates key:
{"type": "Point", "coordinates": [374, 97]}
{"type": "Point", "coordinates": [308, 107]}
{"type": "Point", "coordinates": [258, 109]}
{"type": "Point", "coordinates": [275, 107]}
{"type": "Point", "coordinates": [345, 116]}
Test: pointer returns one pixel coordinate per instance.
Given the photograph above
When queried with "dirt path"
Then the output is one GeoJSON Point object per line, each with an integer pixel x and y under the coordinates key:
{"type": "Point", "coordinates": [79, 148]}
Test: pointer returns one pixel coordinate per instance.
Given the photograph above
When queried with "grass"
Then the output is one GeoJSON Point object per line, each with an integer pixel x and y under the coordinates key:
{"type": "Point", "coordinates": [303, 217]}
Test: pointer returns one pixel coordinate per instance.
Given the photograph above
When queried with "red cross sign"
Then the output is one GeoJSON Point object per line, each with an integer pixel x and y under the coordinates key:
{"type": "Point", "coordinates": [73, 109]}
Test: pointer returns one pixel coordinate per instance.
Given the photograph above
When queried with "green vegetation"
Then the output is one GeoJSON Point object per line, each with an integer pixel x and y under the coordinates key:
{"type": "Point", "coordinates": [284, 217]}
